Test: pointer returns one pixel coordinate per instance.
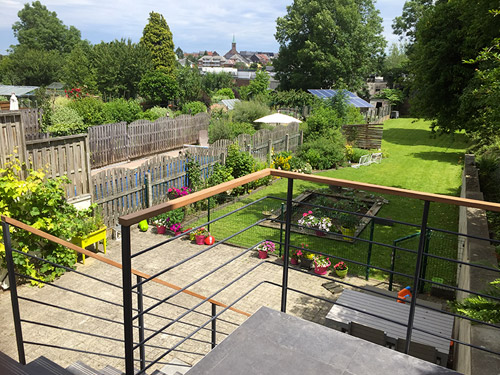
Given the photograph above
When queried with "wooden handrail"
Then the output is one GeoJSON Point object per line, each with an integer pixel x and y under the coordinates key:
{"type": "Point", "coordinates": [110, 262]}
{"type": "Point", "coordinates": [148, 213]}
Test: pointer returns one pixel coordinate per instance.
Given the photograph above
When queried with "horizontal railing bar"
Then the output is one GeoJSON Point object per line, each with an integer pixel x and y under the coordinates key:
{"type": "Point", "coordinates": [73, 350]}
{"type": "Point", "coordinates": [196, 254]}
{"type": "Point", "coordinates": [69, 269]}
{"type": "Point", "coordinates": [201, 303]}
{"type": "Point", "coordinates": [193, 229]}
{"type": "Point", "coordinates": [193, 282]}
{"type": "Point", "coordinates": [150, 212]}
{"type": "Point", "coordinates": [177, 350]}
{"type": "Point", "coordinates": [464, 235]}
{"type": "Point", "coordinates": [98, 257]}
{"type": "Point", "coordinates": [462, 262]}
{"type": "Point", "coordinates": [71, 330]}
{"type": "Point", "coordinates": [70, 290]}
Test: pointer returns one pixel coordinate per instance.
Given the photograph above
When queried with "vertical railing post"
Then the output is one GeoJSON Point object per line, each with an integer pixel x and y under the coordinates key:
{"type": "Point", "coordinates": [370, 246]}
{"type": "Point", "coordinates": [393, 265]}
{"type": "Point", "coordinates": [13, 293]}
{"type": "Point", "coordinates": [416, 279]}
{"type": "Point", "coordinates": [208, 214]}
{"type": "Point", "coordinates": [140, 309]}
{"type": "Point", "coordinates": [281, 226]}
{"type": "Point", "coordinates": [284, 287]}
{"type": "Point", "coordinates": [425, 260]}
{"type": "Point", "coordinates": [127, 301]}
{"type": "Point", "coordinates": [214, 325]}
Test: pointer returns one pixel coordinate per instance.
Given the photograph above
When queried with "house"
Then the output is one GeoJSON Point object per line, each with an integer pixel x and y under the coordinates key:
{"type": "Point", "coordinates": [233, 54]}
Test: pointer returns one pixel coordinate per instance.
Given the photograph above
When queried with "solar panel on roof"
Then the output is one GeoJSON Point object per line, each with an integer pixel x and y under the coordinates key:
{"type": "Point", "coordinates": [352, 98]}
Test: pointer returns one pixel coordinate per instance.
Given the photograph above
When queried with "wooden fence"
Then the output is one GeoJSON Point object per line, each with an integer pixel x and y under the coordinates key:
{"type": "Point", "coordinates": [63, 156]}
{"type": "Point", "coordinates": [380, 114]}
{"type": "Point", "coordinates": [120, 191]}
{"type": "Point", "coordinates": [365, 136]}
{"type": "Point", "coordinates": [31, 118]}
{"type": "Point", "coordinates": [113, 143]}
{"type": "Point", "coordinates": [12, 137]}
{"type": "Point", "coordinates": [264, 142]}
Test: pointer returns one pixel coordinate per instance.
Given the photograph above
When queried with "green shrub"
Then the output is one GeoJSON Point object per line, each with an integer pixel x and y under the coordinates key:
{"type": "Point", "coordinates": [225, 93]}
{"type": "Point", "coordinates": [158, 88]}
{"type": "Point", "coordinates": [240, 162]}
{"type": "Point", "coordinates": [122, 110]}
{"type": "Point", "coordinates": [192, 108]}
{"type": "Point", "coordinates": [292, 99]}
{"type": "Point", "coordinates": [66, 121]}
{"type": "Point", "coordinates": [223, 129]}
{"type": "Point", "coordinates": [221, 173]}
{"type": "Point", "coordinates": [249, 111]}
{"type": "Point", "coordinates": [156, 112]}
{"type": "Point", "coordinates": [91, 110]}
{"type": "Point", "coordinates": [324, 152]}
{"type": "Point", "coordinates": [481, 308]}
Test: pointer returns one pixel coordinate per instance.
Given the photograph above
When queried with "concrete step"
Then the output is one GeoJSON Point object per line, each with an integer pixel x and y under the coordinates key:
{"type": "Point", "coordinates": [80, 368]}
{"type": "Point", "coordinates": [175, 367]}
{"type": "Point", "coordinates": [110, 370]}
{"type": "Point", "coordinates": [10, 366]}
{"type": "Point", "coordinates": [44, 366]}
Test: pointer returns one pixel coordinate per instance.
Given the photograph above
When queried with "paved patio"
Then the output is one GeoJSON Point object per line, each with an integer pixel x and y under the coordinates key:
{"type": "Point", "coordinates": [154, 261]}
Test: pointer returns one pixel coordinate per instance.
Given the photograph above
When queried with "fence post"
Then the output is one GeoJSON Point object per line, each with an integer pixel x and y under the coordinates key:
{"type": "Point", "coordinates": [140, 309]}
{"type": "Point", "coordinates": [13, 293]}
{"type": "Point", "coordinates": [223, 158]}
{"type": "Point", "coordinates": [416, 280]}
{"type": "Point", "coordinates": [287, 142]}
{"type": "Point", "coordinates": [301, 138]}
{"type": "Point", "coordinates": [284, 286]}
{"type": "Point", "coordinates": [127, 301]}
{"type": "Point", "coordinates": [149, 190]}
{"type": "Point", "coordinates": [214, 325]}
{"type": "Point", "coordinates": [269, 151]}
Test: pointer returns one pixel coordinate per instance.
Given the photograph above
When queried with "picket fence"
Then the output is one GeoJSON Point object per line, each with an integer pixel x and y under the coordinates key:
{"type": "Point", "coordinates": [367, 136]}
{"type": "Point", "coordinates": [113, 143]}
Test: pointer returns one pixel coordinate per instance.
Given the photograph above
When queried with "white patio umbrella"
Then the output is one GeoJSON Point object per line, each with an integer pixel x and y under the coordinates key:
{"type": "Point", "coordinates": [277, 118]}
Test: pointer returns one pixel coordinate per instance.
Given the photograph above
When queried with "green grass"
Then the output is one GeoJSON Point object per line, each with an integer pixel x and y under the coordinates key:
{"type": "Point", "coordinates": [416, 160]}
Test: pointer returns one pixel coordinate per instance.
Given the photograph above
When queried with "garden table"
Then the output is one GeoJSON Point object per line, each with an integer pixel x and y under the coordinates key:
{"type": "Point", "coordinates": [439, 323]}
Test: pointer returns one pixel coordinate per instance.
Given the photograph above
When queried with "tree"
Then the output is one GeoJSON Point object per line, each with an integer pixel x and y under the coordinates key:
{"type": "Point", "coordinates": [179, 52]}
{"type": "Point", "coordinates": [258, 86]}
{"type": "Point", "coordinates": [324, 41]}
{"type": "Point", "coordinates": [395, 70]}
{"type": "Point", "coordinates": [119, 66]}
{"type": "Point", "coordinates": [405, 25]}
{"type": "Point", "coordinates": [449, 33]}
{"type": "Point", "coordinates": [40, 29]}
{"type": "Point", "coordinates": [78, 71]}
{"type": "Point", "coordinates": [157, 38]}
{"type": "Point", "coordinates": [394, 96]}
{"type": "Point", "coordinates": [212, 82]}
{"type": "Point", "coordinates": [158, 87]}
{"type": "Point", "coordinates": [189, 81]}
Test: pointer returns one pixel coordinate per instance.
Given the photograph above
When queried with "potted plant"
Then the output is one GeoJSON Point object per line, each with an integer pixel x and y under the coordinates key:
{"type": "Point", "coordinates": [264, 248]}
{"type": "Point", "coordinates": [321, 264]}
{"type": "Point", "coordinates": [348, 224]}
{"type": "Point", "coordinates": [176, 228]}
{"type": "Point", "coordinates": [341, 269]}
{"type": "Point", "coordinates": [295, 254]}
{"type": "Point", "coordinates": [322, 224]}
{"type": "Point", "coordinates": [160, 221]}
{"type": "Point", "coordinates": [200, 234]}
{"type": "Point", "coordinates": [88, 228]}
{"type": "Point", "coordinates": [307, 257]}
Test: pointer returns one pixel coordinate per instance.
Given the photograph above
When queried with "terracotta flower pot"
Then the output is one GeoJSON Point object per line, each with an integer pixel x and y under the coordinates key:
{"type": "Point", "coordinates": [262, 254]}
{"type": "Point", "coordinates": [294, 261]}
{"type": "Point", "coordinates": [160, 229]}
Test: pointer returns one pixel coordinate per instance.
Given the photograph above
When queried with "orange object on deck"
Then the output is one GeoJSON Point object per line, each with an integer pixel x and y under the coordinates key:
{"type": "Point", "coordinates": [404, 294]}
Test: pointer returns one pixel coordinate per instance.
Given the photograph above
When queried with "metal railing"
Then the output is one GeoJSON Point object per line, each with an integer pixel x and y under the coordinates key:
{"type": "Point", "coordinates": [286, 236]}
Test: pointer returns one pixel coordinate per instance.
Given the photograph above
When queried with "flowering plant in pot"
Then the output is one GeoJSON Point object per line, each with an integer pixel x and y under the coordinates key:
{"type": "Point", "coordinates": [341, 269]}
{"type": "Point", "coordinates": [321, 264]}
{"type": "Point", "coordinates": [160, 221]}
{"type": "Point", "coordinates": [176, 228]}
{"type": "Point", "coordinates": [322, 224]}
{"type": "Point", "coordinates": [307, 257]}
{"type": "Point", "coordinates": [174, 193]}
{"type": "Point", "coordinates": [295, 254]}
{"type": "Point", "coordinates": [264, 248]}
{"type": "Point", "coordinates": [200, 234]}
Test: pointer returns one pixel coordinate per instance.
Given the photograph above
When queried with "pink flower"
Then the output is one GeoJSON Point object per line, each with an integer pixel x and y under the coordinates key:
{"type": "Point", "coordinates": [299, 253]}
{"type": "Point", "coordinates": [310, 212]}
{"type": "Point", "coordinates": [304, 214]}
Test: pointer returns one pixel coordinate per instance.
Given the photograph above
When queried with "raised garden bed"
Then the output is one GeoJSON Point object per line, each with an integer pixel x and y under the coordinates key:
{"type": "Point", "coordinates": [367, 204]}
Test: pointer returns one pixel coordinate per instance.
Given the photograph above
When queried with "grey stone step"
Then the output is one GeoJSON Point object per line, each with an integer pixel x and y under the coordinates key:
{"type": "Point", "coordinates": [175, 367]}
{"type": "Point", "coordinates": [10, 366]}
{"type": "Point", "coordinates": [44, 366]}
{"type": "Point", "coordinates": [80, 368]}
{"type": "Point", "coordinates": [110, 370]}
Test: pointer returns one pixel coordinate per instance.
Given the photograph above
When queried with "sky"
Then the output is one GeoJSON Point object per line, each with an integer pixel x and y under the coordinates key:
{"type": "Point", "coordinates": [196, 25]}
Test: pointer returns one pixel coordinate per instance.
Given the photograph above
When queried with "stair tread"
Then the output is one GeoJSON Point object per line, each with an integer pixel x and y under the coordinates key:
{"type": "Point", "coordinates": [44, 366]}
{"type": "Point", "coordinates": [10, 366]}
{"type": "Point", "coordinates": [80, 368]}
{"type": "Point", "coordinates": [175, 367]}
{"type": "Point", "coordinates": [110, 370]}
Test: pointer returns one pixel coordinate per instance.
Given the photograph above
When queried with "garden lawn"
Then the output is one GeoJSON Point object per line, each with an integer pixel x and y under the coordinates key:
{"type": "Point", "coordinates": [414, 159]}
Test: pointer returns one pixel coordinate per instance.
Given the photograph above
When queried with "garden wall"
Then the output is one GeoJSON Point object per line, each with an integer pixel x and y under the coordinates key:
{"type": "Point", "coordinates": [473, 221]}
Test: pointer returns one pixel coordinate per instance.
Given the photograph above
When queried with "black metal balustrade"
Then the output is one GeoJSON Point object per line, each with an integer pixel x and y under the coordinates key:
{"type": "Point", "coordinates": [134, 310]}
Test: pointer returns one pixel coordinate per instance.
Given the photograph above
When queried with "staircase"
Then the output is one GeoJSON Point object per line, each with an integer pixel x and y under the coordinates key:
{"type": "Point", "coordinates": [44, 366]}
